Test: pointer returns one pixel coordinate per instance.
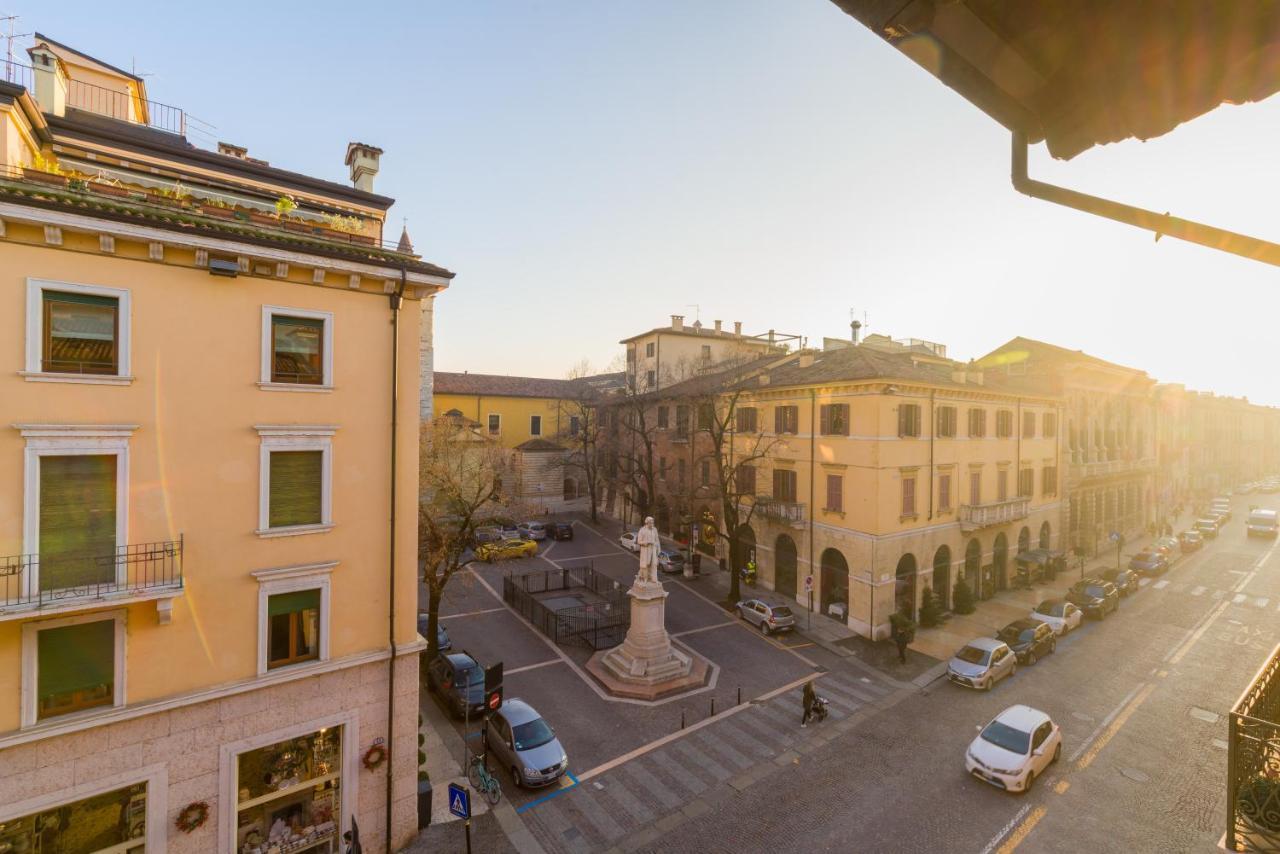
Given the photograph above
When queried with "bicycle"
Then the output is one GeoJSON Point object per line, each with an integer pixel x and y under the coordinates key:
{"type": "Point", "coordinates": [480, 778]}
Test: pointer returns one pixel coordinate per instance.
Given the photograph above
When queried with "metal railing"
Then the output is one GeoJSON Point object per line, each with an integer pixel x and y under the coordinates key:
{"type": "Point", "coordinates": [1253, 764]}
{"type": "Point", "coordinates": [974, 516]}
{"type": "Point", "coordinates": [123, 106]}
{"type": "Point", "coordinates": [786, 511]}
{"type": "Point", "coordinates": [133, 569]}
{"type": "Point", "coordinates": [595, 624]}
{"type": "Point", "coordinates": [17, 74]}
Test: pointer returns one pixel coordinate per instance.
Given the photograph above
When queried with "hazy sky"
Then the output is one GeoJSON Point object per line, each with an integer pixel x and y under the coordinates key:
{"type": "Point", "coordinates": [589, 168]}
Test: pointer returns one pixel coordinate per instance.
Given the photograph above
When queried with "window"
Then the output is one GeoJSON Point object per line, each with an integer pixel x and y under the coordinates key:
{"type": "Point", "coordinates": [706, 472]}
{"type": "Point", "coordinates": [1049, 480]}
{"type": "Point", "coordinates": [909, 420]}
{"type": "Point", "coordinates": [77, 533]}
{"type": "Point", "coordinates": [682, 421]}
{"type": "Point", "coordinates": [1002, 484]}
{"type": "Point", "coordinates": [296, 476]}
{"type": "Point", "coordinates": [297, 348]}
{"type": "Point", "coordinates": [77, 331]}
{"type": "Point", "coordinates": [706, 416]}
{"type": "Point", "coordinates": [975, 487]}
{"type": "Point", "coordinates": [1004, 423]}
{"type": "Point", "coordinates": [1050, 428]}
{"type": "Point", "coordinates": [117, 816]}
{"type": "Point", "coordinates": [72, 664]}
{"type": "Point", "coordinates": [786, 419]}
{"type": "Point", "coordinates": [835, 493]}
{"type": "Point", "coordinates": [651, 379]}
{"type": "Point", "coordinates": [977, 423]}
{"type": "Point", "coordinates": [631, 357]}
{"type": "Point", "coordinates": [746, 481]}
{"type": "Point", "coordinates": [1028, 425]}
{"type": "Point", "coordinates": [535, 425]}
{"type": "Point", "coordinates": [748, 419]}
{"type": "Point", "coordinates": [495, 424]}
{"type": "Point", "coordinates": [784, 485]}
{"type": "Point", "coordinates": [293, 628]}
{"type": "Point", "coordinates": [296, 778]}
{"type": "Point", "coordinates": [909, 495]}
{"type": "Point", "coordinates": [662, 417]}
{"type": "Point", "coordinates": [1026, 482]}
{"type": "Point", "coordinates": [648, 350]}
{"type": "Point", "coordinates": [662, 468]}
{"type": "Point", "coordinates": [575, 425]}
{"type": "Point", "coordinates": [706, 352]}
{"type": "Point", "coordinates": [946, 422]}
{"type": "Point", "coordinates": [834, 419]}
{"type": "Point", "coordinates": [680, 469]}
{"type": "Point", "coordinates": [944, 492]}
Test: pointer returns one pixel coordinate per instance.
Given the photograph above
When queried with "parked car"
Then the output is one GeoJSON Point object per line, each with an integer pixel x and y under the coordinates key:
{"type": "Point", "coordinates": [1269, 488]}
{"type": "Point", "coordinates": [628, 541]}
{"type": "Point", "coordinates": [1191, 541]}
{"type": "Point", "coordinates": [1219, 518]}
{"type": "Point", "coordinates": [1095, 596]}
{"type": "Point", "coordinates": [1015, 748]}
{"type": "Point", "coordinates": [1029, 639]}
{"type": "Point", "coordinates": [560, 530]}
{"type": "Point", "coordinates": [1223, 507]}
{"type": "Point", "coordinates": [488, 534]}
{"type": "Point", "coordinates": [670, 561]}
{"type": "Point", "coordinates": [525, 744]}
{"type": "Point", "coordinates": [767, 616]}
{"type": "Point", "coordinates": [459, 680]}
{"type": "Point", "coordinates": [1262, 523]}
{"type": "Point", "coordinates": [443, 644]}
{"type": "Point", "coordinates": [506, 549]}
{"type": "Point", "coordinates": [1208, 528]}
{"type": "Point", "coordinates": [981, 663]}
{"type": "Point", "coordinates": [1059, 615]}
{"type": "Point", "coordinates": [1150, 562]}
{"type": "Point", "coordinates": [532, 530]}
{"type": "Point", "coordinates": [1125, 580]}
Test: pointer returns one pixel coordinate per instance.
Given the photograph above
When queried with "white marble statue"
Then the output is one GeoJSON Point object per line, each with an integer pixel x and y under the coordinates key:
{"type": "Point", "coordinates": [647, 540]}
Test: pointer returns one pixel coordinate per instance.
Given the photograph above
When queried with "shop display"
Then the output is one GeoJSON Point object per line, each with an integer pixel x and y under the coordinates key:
{"type": "Point", "coordinates": [115, 821]}
{"type": "Point", "coordinates": [290, 795]}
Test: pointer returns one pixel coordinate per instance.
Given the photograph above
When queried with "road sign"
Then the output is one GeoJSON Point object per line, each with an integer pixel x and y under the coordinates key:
{"type": "Point", "coordinates": [808, 584]}
{"type": "Point", "coordinates": [459, 801]}
{"type": "Point", "coordinates": [493, 686]}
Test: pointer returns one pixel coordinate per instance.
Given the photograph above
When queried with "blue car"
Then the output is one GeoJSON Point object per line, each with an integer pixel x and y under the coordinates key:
{"type": "Point", "coordinates": [442, 637]}
{"type": "Point", "coordinates": [1149, 563]}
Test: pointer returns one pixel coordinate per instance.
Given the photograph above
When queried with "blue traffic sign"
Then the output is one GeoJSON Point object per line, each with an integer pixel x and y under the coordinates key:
{"type": "Point", "coordinates": [459, 801]}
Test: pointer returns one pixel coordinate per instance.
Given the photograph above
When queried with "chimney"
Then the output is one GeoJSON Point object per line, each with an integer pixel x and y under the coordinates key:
{"type": "Point", "coordinates": [737, 328]}
{"type": "Point", "coordinates": [237, 151]}
{"type": "Point", "coordinates": [854, 327]}
{"type": "Point", "coordinates": [677, 322]}
{"type": "Point", "coordinates": [805, 360]}
{"type": "Point", "coordinates": [771, 336]}
{"type": "Point", "coordinates": [717, 327]}
{"type": "Point", "coordinates": [363, 160]}
{"type": "Point", "coordinates": [50, 80]}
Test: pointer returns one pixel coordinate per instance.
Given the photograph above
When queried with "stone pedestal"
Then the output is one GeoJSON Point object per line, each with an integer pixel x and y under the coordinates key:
{"type": "Point", "coordinates": [645, 665]}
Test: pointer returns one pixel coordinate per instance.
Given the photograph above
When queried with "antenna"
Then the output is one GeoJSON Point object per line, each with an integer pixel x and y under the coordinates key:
{"type": "Point", "coordinates": [9, 71]}
{"type": "Point", "coordinates": [697, 309]}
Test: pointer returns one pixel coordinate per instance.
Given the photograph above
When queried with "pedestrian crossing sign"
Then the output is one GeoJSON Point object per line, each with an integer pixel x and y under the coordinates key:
{"type": "Point", "coordinates": [459, 801]}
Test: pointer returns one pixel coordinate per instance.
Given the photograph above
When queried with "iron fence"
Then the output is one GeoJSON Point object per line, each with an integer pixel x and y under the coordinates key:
{"type": "Point", "coordinates": [122, 105]}
{"type": "Point", "coordinates": [26, 582]}
{"type": "Point", "coordinates": [1253, 764]}
{"type": "Point", "coordinates": [17, 73]}
{"type": "Point", "coordinates": [597, 624]}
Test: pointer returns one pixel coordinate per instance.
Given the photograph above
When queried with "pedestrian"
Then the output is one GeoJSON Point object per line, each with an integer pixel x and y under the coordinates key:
{"type": "Point", "coordinates": [809, 699]}
{"type": "Point", "coordinates": [901, 638]}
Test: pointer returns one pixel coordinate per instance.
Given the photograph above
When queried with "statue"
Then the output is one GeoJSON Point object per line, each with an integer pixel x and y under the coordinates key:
{"type": "Point", "coordinates": [647, 540]}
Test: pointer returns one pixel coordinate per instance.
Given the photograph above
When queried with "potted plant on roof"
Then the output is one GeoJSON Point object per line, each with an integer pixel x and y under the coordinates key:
{"type": "Point", "coordinates": [106, 187]}
{"type": "Point", "coordinates": [217, 208]}
{"type": "Point", "coordinates": [46, 171]}
{"type": "Point", "coordinates": [263, 218]}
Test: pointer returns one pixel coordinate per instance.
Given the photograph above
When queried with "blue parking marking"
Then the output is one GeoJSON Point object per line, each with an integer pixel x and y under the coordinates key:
{"type": "Point", "coordinates": [554, 794]}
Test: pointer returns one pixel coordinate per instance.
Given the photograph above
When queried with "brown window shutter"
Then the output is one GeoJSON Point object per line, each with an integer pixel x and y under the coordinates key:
{"type": "Point", "coordinates": [295, 490]}
{"type": "Point", "coordinates": [77, 520]}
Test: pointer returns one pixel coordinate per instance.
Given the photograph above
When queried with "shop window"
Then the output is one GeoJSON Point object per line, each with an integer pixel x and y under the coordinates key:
{"type": "Point", "coordinates": [293, 627]}
{"type": "Point", "coordinates": [107, 822]}
{"type": "Point", "coordinates": [289, 795]}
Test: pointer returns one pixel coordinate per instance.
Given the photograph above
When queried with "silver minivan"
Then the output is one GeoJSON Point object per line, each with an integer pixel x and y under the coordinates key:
{"type": "Point", "coordinates": [525, 744]}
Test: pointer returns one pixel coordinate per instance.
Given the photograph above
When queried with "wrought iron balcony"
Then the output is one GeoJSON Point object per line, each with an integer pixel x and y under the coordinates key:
{"type": "Point", "coordinates": [975, 516]}
{"type": "Point", "coordinates": [133, 572]}
{"type": "Point", "coordinates": [784, 511]}
{"type": "Point", "coordinates": [1253, 757]}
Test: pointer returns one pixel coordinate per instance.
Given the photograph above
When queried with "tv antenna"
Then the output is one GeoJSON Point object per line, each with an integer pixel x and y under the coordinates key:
{"type": "Point", "coordinates": [697, 309]}
{"type": "Point", "coordinates": [10, 72]}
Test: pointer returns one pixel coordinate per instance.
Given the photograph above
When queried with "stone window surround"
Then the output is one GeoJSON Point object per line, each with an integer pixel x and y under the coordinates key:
{"type": "Point", "coordinates": [294, 437]}
{"type": "Point", "coordinates": [31, 664]}
{"type": "Point", "coordinates": [34, 363]}
{"type": "Point", "coordinates": [268, 349]}
{"type": "Point", "coordinates": [290, 579]}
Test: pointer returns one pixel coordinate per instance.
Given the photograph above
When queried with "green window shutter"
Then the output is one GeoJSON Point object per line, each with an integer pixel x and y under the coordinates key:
{"type": "Point", "coordinates": [288, 603]}
{"type": "Point", "coordinates": [295, 488]}
{"type": "Point", "coordinates": [76, 658]}
{"type": "Point", "coordinates": [77, 520]}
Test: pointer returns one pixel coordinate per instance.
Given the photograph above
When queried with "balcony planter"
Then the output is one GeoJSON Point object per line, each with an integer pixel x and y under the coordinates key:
{"type": "Point", "coordinates": [51, 178]}
{"type": "Point", "coordinates": [109, 190]}
{"type": "Point", "coordinates": [364, 239]}
{"type": "Point", "coordinates": [218, 212]}
{"type": "Point", "coordinates": [299, 227]}
{"type": "Point", "coordinates": [263, 219]}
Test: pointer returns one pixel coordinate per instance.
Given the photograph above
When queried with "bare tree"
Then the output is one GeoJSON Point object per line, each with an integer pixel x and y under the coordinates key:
{"type": "Point", "coordinates": [580, 431]}
{"type": "Point", "coordinates": [460, 475]}
{"type": "Point", "coordinates": [631, 446]}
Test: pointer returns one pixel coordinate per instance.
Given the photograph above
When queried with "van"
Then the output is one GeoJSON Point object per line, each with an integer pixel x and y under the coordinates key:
{"type": "Point", "coordinates": [1262, 523]}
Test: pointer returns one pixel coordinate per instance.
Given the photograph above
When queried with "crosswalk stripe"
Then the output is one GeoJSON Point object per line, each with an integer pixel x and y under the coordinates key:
{"type": "Point", "coordinates": [1218, 594]}
{"type": "Point", "coordinates": [701, 760]}
{"type": "Point", "coordinates": [1238, 598]}
{"type": "Point", "coordinates": [774, 738]}
{"type": "Point", "coordinates": [597, 817]}
{"type": "Point", "coordinates": [842, 693]}
{"type": "Point", "coordinates": [719, 746]}
{"type": "Point", "coordinates": [1262, 601]}
{"type": "Point", "coordinates": [1162, 583]}
{"type": "Point", "coordinates": [1198, 591]}
{"type": "Point", "coordinates": [686, 779]}
{"type": "Point", "coordinates": [661, 792]}
{"type": "Point", "coordinates": [557, 820]}
{"type": "Point", "coordinates": [616, 789]}
{"type": "Point", "coordinates": [786, 719]}
{"type": "Point", "coordinates": [743, 738]}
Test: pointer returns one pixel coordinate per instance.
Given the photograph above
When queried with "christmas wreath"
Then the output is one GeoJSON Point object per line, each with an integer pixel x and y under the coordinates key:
{"type": "Point", "coordinates": [193, 815]}
{"type": "Point", "coordinates": [374, 757]}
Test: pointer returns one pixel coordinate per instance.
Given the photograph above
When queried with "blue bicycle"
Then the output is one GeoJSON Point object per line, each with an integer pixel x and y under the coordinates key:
{"type": "Point", "coordinates": [482, 781]}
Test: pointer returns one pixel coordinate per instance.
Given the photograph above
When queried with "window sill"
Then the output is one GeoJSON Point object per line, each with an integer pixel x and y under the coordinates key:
{"type": "Point", "coordinates": [81, 379]}
{"type": "Point", "coordinates": [71, 717]}
{"type": "Point", "coordinates": [294, 531]}
{"type": "Point", "coordinates": [833, 512]}
{"type": "Point", "coordinates": [268, 386]}
{"type": "Point", "coordinates": [908, 517]}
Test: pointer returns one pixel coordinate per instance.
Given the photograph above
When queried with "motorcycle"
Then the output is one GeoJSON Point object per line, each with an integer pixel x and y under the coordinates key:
{"type": "Point", "coordinates": [819, 712]}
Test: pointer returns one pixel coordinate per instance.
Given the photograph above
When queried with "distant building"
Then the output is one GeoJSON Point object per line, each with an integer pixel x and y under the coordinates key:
{"type": "Point", "coordinates": [669, 354]}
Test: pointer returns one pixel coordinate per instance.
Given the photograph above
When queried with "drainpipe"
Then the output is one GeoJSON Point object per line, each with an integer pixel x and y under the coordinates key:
{"type": "Point", "coordinates": [396, 299]}
{"type": "Point", "coordinates": [813, 454]}
{"type": "Point", "coordinates": [1159, 224]}
{"type": "Point", "coordinates": [933, 429]}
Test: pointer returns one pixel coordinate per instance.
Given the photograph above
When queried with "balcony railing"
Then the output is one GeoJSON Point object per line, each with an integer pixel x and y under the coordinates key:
{"type": "Point", "coordinates": [116, 104]}
{"type": "Point", "coordinates": [785, 511]}
{"type": "Point", "coordinates": [1253, 764]}
{"type": "Point", "coordinates": [975, 516]}
{"type": "Point", "coordinates": [17, 73]}
{"type": "Point", "coordinates": [134, 570]}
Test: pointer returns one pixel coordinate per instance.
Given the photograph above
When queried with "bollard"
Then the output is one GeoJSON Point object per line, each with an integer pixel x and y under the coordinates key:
{"type": "Point", "coordinates": [713, 707]}
{"type": "Point", "coordinates": [739, 695]}
{"type": "Point", "coordinates": [682, 719]}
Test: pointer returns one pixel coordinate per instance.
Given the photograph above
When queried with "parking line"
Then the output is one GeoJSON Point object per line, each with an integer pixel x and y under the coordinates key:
{"type": "Point", "coordinates": [532, 666]}
{"type": "Point", "coordinates": [1115, 726]}
{"type": "Point", "coordinates": [1198, 633]}
{"type": "Point", "coordinates": [554, 794]}
{"type": "Point", "coordinates": [769, 641]}
{"type": "Point", "coordinates": [704, 628]}
{"type": "Point", "coordinates": [1084, 745]}
{"type": "Point", "coordinates": [1023, 830]}
{"type": "Point", "coordinates": [1005, 830]}
{"type": "Point", "coordinates": [470, 613]}
{"type": "Point", "coordinates": [584, 557]}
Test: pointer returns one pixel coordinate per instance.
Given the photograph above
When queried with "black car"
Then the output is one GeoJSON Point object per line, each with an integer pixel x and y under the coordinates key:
{"type": "Point", "coordinates": [1029, 639]}
{"type": "Point", "coordinates": [1097, 597]}
{"type": "Point", "coordinates": [560, 530]}
{"type": "Point", "coordinates": [443, 644]}
{"type": "Point", "coordinates": [459, 680]}
{"type": "Point", "coordinates": [1125, 580]}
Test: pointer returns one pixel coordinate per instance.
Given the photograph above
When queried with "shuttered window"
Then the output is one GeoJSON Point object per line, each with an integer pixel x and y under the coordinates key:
{"type": "Point", "coordinates": [1028, 425]}
{"type": "Point", "coordinates": [662, 417]}
{"type": "Point", "coordinates": [835, 419]}
{"type": "Point", "coordinates": [296, 488]}
{"type": "Point", "coordinates": [293, 627]}
{"type": "Point", "coordinates": [786, 419]}
{"type": "Point", "coordinates": [81, 334]}
{"type": "Point", "coordinates": [975, 488]}
{"type": "Point", "coordinates": [1049, 480]}
{"type": "Point", "coordinates": [1050, 428]}
{"type": "Point", "coordinates": [75, 668]}
{"type": "Point", "coordinates": [297, 350]}
{"type": "Point", "coordinates": [946, 422]}
{"type": "Point", "coordinates": [977, 423]}
{"type": "Point", "coordinates": [835, 493]}
{"type": "Point", "coordinates": [1026, 482]}
{"type": "Point", "coordinates": [535, 425]}
{"type": "Point", "coordinates": [909, 420]}
{"type": "Point", "coordinates": [77, 520]}
{"type": "Point", "coordinates": [1002, 484]}
{"type": "Point", "coordinates": [748, 421]}
{"type": "Point", "coordinates": [682, 421]}
{"type": "Point", "coordinates": [784, 485]}
{"type": "Point", "coordinates": [1004, 423]}
{"type": "Point", "coordinates": [746, 480]}
{"type": "Point", "coordinates": [909, 496]}
{"type": "Point", "coordinates": [944, 492]}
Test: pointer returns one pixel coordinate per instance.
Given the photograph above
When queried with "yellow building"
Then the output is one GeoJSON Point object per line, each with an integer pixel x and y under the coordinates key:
{"type": "Point", "coordinates": [205, 614]}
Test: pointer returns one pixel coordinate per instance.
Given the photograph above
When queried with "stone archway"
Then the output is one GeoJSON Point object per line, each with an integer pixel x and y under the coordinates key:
{"type": "Point", "coordinates": [1024, 540]}
{"type": "Point", "coordinates": [972, 564]}
{"type": "Point", "coordinates": [904, 587]}
{"type": "Point", "coordinates": [1044, 535]}
{"type": "Point", "coordinates": [744, 551]}
{"type": "Point", "coordinates": [784, 565]}
{"type": "Point", "coordinates": [570, 489]}
{"type": "Point", "coordinates": [1000, 560]}
{"type": "Point", "coordinates": [835, 580]}
{"type": "Point", "coordinates": [942, 576]}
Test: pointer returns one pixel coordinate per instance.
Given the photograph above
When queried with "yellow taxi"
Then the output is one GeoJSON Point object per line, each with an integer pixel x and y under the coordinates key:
{"type": "Point", "coordinates": [506, 549]}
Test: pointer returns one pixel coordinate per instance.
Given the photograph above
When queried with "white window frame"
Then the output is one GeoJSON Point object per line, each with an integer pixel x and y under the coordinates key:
{"type": "Point", "coordinates": [295, 438]}
{"type": "Point", "coordinates": [155, 776]}
{"type": "Point", "coordinates": [291, 579]}
{"type": "Point", "coordinates": [268, 349]}
{"type": "Point", "coordinates": [31, 664]}
{"type": "Point", "coordinates": [35, 334]}
{"type": "Point", "coordinates": [62, 440]}
{"type": "Point", "coordinates": [488, 419]}
{"type": "Point", "coordinates": [531, 417]}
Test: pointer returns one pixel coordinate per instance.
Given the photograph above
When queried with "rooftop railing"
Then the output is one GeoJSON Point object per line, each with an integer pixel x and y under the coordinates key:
{"type": "Point", "coordinates": [116, 104]}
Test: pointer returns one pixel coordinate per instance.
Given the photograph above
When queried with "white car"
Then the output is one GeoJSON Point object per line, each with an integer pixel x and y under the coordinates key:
{"type": "Point", "coordinates": [1060, 614]}
{"type": "Point", "coordinates": [532, 530]}
{"type": "Point", "coordinates": [670, 561]}
{"type": "Point", "coordinates": [1014, 749]}
{"type": "Point", "coordinates": [628, 542]}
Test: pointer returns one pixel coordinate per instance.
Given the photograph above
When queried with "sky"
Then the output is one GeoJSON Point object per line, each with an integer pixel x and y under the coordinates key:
{"type": "Point", "coordinates": [590, 168]}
